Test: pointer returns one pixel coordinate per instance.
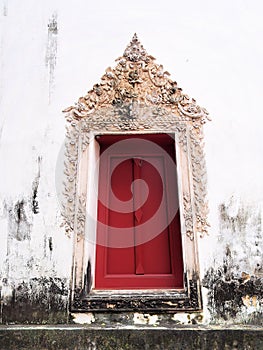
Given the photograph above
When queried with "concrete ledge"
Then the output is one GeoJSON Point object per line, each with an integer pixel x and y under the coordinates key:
{"type": "Point", "coordinates": [157, 338]}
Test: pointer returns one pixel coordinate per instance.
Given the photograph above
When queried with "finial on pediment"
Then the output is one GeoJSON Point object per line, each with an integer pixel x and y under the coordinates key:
{"type": "Point", "coordinates": [135, 51]}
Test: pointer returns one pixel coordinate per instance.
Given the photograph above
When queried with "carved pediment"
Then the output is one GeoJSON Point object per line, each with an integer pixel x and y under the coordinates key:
{"type": "Point", "coordinates": [137, 82]}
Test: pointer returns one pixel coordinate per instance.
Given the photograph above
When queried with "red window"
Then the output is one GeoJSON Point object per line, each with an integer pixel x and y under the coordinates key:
{"type": "Point", "coordinates": [138, 234]}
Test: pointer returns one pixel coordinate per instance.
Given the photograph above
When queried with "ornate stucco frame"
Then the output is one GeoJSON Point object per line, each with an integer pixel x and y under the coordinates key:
{"type": "Point", "coordinates": [135, 97]}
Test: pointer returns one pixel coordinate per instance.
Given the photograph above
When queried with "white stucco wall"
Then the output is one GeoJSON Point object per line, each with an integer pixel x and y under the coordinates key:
{"type": "Point", "coordinates": [212, 49]}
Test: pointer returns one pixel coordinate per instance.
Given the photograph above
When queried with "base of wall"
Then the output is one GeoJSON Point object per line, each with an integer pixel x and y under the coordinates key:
{"type": "Point", "coordinates": [94, 338]}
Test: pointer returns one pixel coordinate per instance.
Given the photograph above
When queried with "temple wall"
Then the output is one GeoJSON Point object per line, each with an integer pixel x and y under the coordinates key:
{"type": "Point", "coordinates": [53, 52]}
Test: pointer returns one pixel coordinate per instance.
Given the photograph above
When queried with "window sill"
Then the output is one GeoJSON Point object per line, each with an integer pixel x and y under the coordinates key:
{"type": "Point", "coordinates": [154, 300]}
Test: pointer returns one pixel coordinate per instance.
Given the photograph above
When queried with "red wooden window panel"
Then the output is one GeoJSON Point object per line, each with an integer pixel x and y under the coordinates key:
{"type": "Point", "coordinates": [135, 259]}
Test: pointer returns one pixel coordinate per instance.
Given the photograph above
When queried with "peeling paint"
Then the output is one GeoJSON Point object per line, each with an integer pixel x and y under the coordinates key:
{"type": "Point", "coordinates": [139, 318]}
{"type": "Point", "coordinates": [133, 319]}
{"type": "Point", "coordinates": [87, 318]}
{"type": "Point", "coordinates": [187, 318]}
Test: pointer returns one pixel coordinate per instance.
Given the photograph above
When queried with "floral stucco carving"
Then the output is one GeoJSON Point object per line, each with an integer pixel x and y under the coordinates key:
{"type": "Point", "coordinates": [137, 81]}
{"type": "Point", "coordinates": [135, 96]}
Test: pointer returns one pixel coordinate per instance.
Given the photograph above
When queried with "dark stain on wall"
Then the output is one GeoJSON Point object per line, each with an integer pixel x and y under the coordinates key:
{"type": "Point", "coordinates": [235, 286]}
{"type": "Point", "coordinates": [228, 294]}
{"type": "Point", "coordinates": [40, 301]}
{"type": "Point", "coordinates": [88, 279]}
{"type": "Point", "coordinates": [5, 9]}
{"type": "Point", "coordinates": [236, 223]}
{"type": "Point", "coordinates": [51, 50]}
{"type": "Point", "coordinates": [50, 244]}
{"type": "Point", "coordinates": [35, 205]}
{"type": "Point", "coordinates": [19, 213]}
{"type": "Point", "coordinates": [19, 210]}
{"type": "Point", "coordinates": [19, 226]}
{"type": "Point", "coordinates": [53, 25]}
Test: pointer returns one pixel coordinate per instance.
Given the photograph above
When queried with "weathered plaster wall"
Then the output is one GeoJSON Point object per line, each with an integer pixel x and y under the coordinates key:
{"type": "Point", "coordinates": [234, 281]}
{"type": "Point", "coordinates": [51, 53]}
{"type": "Point", "coordinates": [35, 255]}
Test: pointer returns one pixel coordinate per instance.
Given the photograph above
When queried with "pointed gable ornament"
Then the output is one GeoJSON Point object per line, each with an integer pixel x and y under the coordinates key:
{"type": "Point", "coordinates": [135, 85]}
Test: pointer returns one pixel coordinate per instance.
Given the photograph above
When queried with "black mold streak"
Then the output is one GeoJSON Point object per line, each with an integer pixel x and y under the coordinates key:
{"type": "Point", "coordinates": [19, 227]}
{"type": "Point", "coordinates": [50, 244]}
{"type": "Point", "coordinates": [51, 52]}
{"type": "Point", "coordinates": [19, 211]}
{"type": "Point", "coordinates": [5, 11]}
{"type": "Point", "coordinates": [88, 279]}
{"type": "Point", "coordinates": [35, 206]}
